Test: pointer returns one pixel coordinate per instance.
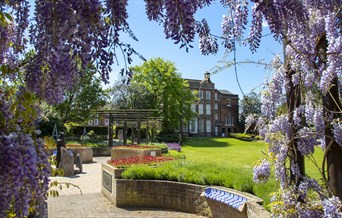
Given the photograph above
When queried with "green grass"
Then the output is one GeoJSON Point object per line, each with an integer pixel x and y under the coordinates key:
{"type": "Point", "coordinates": [227, 152]}
{"type": "Point", "coordinates": [225, 162]}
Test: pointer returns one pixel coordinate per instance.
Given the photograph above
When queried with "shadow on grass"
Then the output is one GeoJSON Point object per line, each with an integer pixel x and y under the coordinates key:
{"type": "Point", "coordinates": [206, 142]}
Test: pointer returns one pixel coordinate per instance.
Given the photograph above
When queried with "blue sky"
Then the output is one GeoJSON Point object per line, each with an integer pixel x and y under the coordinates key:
{"type": "Point", "coordinates": [152, 44]}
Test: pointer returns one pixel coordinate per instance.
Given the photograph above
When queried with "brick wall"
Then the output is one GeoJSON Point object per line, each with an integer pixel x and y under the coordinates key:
{"type": "Point", "coordinates": [173, 195]}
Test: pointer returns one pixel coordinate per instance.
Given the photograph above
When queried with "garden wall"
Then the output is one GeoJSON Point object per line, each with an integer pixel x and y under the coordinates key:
{"type": "Point", "coordinates": [119, 153]}
{"type": "Point", "coordinates": [171, 195]}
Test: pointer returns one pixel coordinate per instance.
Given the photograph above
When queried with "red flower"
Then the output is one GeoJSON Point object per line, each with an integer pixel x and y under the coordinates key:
{"type": "Point", "coordinates": [125, 162]}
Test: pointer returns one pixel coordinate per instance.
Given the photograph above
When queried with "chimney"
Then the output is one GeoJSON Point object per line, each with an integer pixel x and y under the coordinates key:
{"type": "Point", "coordinates": [207, 77]}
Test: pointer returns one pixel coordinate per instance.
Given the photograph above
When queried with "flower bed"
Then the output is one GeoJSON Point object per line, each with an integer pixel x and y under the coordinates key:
{"type": "Point", "coordinates": [119, 152]}
{"type": "Point", "coordinates": [136, 147]}
{"type": "Point", "coordinates": [150, 160]}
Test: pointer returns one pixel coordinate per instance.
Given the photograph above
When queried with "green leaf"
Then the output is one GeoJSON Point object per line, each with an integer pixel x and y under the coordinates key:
{"type": "Point", "coordinates": [8, 16]}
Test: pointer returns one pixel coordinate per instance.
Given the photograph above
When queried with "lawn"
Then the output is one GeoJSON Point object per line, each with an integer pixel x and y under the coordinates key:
{"type": "Point", "coordinates": [225, 162]}
{"type": "Point", "coordinates": [224, 151]}
{"type": "Point", "coordinates": [241, 155]}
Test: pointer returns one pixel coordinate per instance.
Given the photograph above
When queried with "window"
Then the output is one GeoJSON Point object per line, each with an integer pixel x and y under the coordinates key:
{"type": "Point", "coordinates": [216, 116]}
{"type": "Point", "coordinates": [185, 127]}
{"type": "Point", "coordinates": [207, 94]}
{"type": "Point", "coordinates": [201, 125]}
{"type": "Point", "coordinates": [216, 96]}
{"type": "Point", "coordinates": [90, 122]}
{"type": "Point", "coordinates": [208, 126]}
{"type": "Point", "coordinates": [200, 94]}
{"type": "Point", "coordinates": [216, 106]}
{"type": "Point", "coordinates": [229, 119]}
{"type": "Point", "coordinates": [193, 125]}
{"type": "Point", "coordinates": [193, 108]}
{"type": "Point", "coordinates": [96, 122]}
{"type": "Point", "coordinates": [106, 121]}
{"type": "Point", "coordinates": [207, 109]}
{"type": "Point", "coordinates": [200, 108]}
{"type": "Point", "coordinates": [229, 102]}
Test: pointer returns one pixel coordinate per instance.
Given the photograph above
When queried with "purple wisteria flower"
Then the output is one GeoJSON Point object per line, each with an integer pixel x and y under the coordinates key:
{"type": "Point", "coordinates": [261, 172]}
{"type": "Point", "coordinates": [331, 207]}
{"type": "Point", "coordinates": [174, 146]}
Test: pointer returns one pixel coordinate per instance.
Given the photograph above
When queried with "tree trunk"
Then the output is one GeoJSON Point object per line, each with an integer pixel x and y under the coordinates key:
{"type": "Point", "coordinates": [331, 110]}
{"type": "Point", "coordinates": [293, 101]}
{"type": "Point", "coordinates": [332, 105]}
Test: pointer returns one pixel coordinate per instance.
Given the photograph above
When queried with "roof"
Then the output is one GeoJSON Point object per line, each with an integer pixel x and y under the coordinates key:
{"type": "Point", "coordinates": [225, 92]}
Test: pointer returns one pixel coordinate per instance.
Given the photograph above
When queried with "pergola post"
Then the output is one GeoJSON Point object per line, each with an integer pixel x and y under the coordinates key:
{"type": "Point", "coordinates": [125, 133]}
{"type": "Point", "coordinates": [147, 131]}
{"type": "Point", "coordinates": [110, 130]}
{"type": "Point", "coordinates": [138, 130]}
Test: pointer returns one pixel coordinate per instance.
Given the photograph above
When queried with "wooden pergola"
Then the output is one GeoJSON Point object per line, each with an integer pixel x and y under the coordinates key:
{"type": "Point", "coordinates": [133, 118]}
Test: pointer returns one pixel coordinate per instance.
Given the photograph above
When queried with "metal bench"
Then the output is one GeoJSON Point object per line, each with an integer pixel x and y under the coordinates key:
{"type": "Point", "coordinates": [231, 199]}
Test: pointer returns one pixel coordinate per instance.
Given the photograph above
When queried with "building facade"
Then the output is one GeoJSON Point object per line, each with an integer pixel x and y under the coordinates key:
{"type": "Point", "coordinates": [217, 111]}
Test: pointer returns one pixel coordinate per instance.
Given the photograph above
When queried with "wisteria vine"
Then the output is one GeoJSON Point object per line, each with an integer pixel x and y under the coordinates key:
{"type": "Point", "coordinates": [67, 35]}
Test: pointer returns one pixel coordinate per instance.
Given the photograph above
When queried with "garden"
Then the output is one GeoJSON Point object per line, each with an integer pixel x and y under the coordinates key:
{"type": "Point", "coordinates": [226, 162]}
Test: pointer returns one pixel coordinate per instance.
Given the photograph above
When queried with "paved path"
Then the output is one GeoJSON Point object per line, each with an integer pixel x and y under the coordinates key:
{"type": "Point", "coordinates": [92, 203]}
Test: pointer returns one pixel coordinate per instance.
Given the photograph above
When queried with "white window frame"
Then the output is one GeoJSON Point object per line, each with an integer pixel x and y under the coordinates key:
{"type": "Point", "coordinates": [207, 95]}
{"type": "Point", "coordinates": [229, 102]}
{"type": "Point", "coordinates": [90, 122]}
{"type": "Point", "coordinates": [200, 108]}
{"type": "Point", "coordinates": [96, 122]}
{"type": "Point", "coordinates": [200, 94]}
{"type": "Point", "coordinates": [193, 108]}
{"type": "Point", "coordinates": [216, 106]}
{"type": "Point", "coordinates": [208, 126]}
{"type": "Point", "coordinates": [208, 109]}
{"type": "Point", "coordinates": [216, 96]}
{"type": "Point", "coordinates": [193, 125]}
{"type": "Point", "coordinates": [106, 121]}
{"type": "Point", "coordinates": [229, 119]}
{"type": "Point", "coordinates": [201, 125]}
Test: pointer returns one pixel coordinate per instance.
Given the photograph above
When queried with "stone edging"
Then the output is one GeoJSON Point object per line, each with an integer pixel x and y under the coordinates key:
{"type": "Point", "coordinates": [178, 196]}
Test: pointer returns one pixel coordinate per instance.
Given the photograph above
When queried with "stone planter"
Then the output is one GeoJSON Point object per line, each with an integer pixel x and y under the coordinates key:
{"type": "Point", "coordinates": [118, 153]}
{"type": "Point", "coordinates": [86, 153]}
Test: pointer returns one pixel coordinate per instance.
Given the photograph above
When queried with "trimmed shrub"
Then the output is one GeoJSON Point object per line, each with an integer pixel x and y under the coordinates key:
{"type": "Point", "coordinates": [242, 136]}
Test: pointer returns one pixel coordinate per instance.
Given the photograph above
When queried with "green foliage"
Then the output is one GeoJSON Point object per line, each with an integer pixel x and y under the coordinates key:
{"type": "Point", "coordinates": [168, 92]}
{"type": "Point", "coordinates": [243, 136]}
{"type": "Point", "coordinates": [49, 142]}
{"type": "Point", "coordinates": [77, 130]}
{"type": "Point", "coordinates": [192, 172]}
{"type": "Point", "coordinates": [250, 104]}
{"type": "Point", "coordinates": [85, 96]}
{"type": "Point", "coordinates": [129, 96]}
{"type": "Point", "coordinates": [171, 137]}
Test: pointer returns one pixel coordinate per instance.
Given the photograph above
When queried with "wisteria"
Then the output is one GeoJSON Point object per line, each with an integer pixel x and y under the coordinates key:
{"type": "Point", "coordinates": [67, 35]}
{"type": "Point", "coordinates": [261, 172]}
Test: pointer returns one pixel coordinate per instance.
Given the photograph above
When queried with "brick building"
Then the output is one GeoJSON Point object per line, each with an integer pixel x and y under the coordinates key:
{"type": "Point", "coordinates": [217, 110]}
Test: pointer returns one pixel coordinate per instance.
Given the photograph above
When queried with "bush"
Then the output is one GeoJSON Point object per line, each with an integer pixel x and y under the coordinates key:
{"type": "Point", "coordinates": [191, 172]}
{"type": "Point", "coordinates": [172, 137]}
{"type": "Point", "coordinates": [98, 130]}
{"type": "Point", "coordinates": [242, 136]}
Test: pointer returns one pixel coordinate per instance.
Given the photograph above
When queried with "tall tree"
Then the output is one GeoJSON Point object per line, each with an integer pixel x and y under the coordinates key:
{"type": "Point", "coordinates": [129, 96]}
{"type": "Point", "coordinates": [86, 95]}
{"type": "Point", "coordinates": [250, 104]}
{"type": "Point", "coordinates": [169, 92]}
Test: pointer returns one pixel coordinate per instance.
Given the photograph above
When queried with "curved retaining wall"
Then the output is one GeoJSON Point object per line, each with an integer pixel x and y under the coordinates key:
{"type": "Point", "coordinates": [172, 195]}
